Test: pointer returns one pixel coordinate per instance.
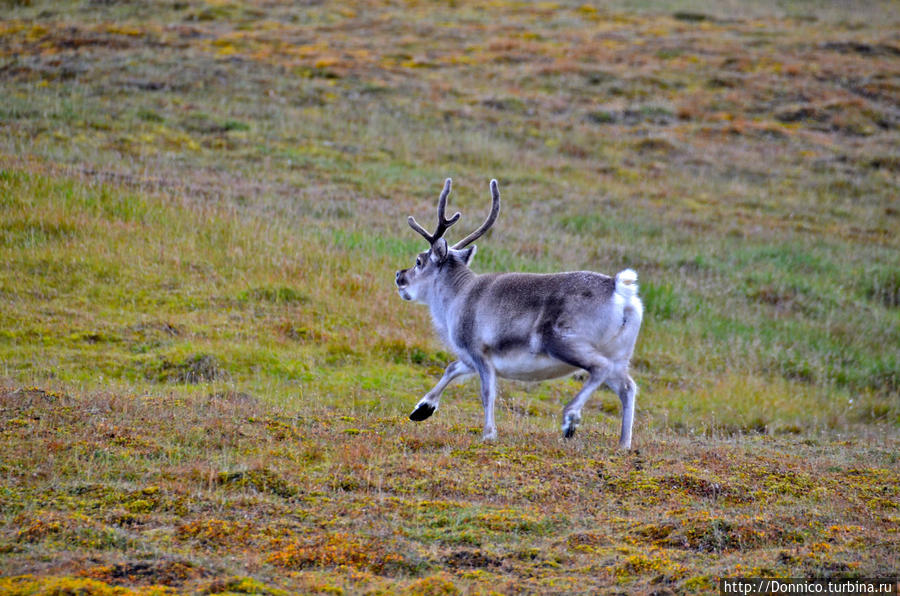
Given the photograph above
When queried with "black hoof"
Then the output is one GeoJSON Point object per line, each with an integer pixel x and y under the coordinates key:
{"type": "Point", "coordinates": [569, 432]}
{"type": "Point", "coordinates": [422, 412]}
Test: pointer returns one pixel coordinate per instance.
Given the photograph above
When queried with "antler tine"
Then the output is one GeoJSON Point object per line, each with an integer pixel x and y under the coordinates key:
{"type": "Point", "coordinates": [415, 225]}
{"type": "Point", "coordinates": [491, 218]}
{"type": "Point", "coordinates": [443, 223]}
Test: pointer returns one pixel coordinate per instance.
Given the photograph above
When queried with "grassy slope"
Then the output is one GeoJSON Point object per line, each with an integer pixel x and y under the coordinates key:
{"type": "Point", "coordinates": [201, 207]}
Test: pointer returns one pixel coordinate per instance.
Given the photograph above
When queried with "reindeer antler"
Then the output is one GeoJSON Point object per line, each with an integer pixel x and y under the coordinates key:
{"type": "Point", "coordinates": [491, 218]}
{"type": "Point", "coordinates": [443, 223]}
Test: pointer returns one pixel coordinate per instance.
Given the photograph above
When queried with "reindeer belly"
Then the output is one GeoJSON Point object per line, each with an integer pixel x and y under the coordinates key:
{"type": "Point", "coordinates": [523, 365]}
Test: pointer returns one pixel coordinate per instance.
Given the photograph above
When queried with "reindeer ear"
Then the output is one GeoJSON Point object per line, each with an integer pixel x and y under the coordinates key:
{"type": "Point", "coordinates": [439, 250]}
{"type": "Point", "coordinates": [467, 254]}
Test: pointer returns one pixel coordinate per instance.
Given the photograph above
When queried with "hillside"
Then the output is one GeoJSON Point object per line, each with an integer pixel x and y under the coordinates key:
{"type": "Point", "coordinates": [205, 369]}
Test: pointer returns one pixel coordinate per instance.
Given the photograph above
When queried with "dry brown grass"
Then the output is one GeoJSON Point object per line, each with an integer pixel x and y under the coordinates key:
{"type": "Point", "coordinates": [197, 492]}
{"type": "Point", "coordinates": [206, 369]}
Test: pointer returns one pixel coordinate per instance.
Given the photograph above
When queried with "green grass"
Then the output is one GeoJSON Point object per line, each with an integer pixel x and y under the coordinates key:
{"type": "Point", "coordinates": [205, 369]}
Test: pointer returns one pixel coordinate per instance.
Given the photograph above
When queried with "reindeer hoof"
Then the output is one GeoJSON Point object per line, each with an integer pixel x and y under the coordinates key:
{"type": "Point", "coordinates": [422, 411]}
{"type": "Point", "coordinates": [570, 423]}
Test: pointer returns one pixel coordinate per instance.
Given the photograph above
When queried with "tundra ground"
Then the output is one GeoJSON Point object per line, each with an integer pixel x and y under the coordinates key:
{"type": "Point", "coordinates": [205, 370]}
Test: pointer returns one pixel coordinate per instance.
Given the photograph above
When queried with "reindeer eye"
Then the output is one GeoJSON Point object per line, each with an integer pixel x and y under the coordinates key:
{"type": "Point", "coordinates": [418, 261]}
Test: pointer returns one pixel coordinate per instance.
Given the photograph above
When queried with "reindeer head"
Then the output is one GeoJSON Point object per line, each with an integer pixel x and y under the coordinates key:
{"type": "Point", "coordinates": [415, 283]}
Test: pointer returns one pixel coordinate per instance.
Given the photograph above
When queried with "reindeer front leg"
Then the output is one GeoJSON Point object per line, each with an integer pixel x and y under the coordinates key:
{"type": "Point", "coordinates": [428, 404]}
{"type": "Point", "coordinates": [488, 377]}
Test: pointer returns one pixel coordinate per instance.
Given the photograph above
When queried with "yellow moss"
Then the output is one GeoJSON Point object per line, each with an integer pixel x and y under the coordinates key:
{"type": "Point", "coordinates": [506, 520]}
{"type": "Point", "coordinates": [117, 29]}
{"type": "Point", "coordinates": [701, 583]}
{"type": "Point", "coordinates": [587, 542]}
{"type": "Point", "coordinates": [36, 32]}
{"type": "Point", "coordinates": [214, 532]}
{"type": "Point", "coordinates": [335, 550]}
{"type": "Point", "coordinates": [38, 525]}
{"type": "Point", "coordinates": [244, 585]}
{"type": "Point", "coordinates": [58, 586]}
{"type": "Point", "coordinates": [11, 27]}
{"type": "Point", "coordinates": [226, 50]}
{"type": "Point", "coordinates": [326, 62]}
{"type": "Point", "coordinates": [139, 506]}
{"type": "Point", "coordinates": [434, 585]}
{"type": "Point", "coordinates": [654, 563]}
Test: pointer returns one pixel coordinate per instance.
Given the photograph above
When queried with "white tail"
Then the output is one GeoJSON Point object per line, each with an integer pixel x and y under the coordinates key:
{"type": "Point", "coordinates": [626, 283]}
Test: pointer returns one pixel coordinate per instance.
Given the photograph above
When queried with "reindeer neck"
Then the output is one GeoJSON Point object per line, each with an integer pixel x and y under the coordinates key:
{"type": "Point", "coordinates": [452, 283]}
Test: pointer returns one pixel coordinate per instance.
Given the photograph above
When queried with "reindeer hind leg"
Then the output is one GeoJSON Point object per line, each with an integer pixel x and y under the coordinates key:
{"type": "Point", "coordinates": [598, 368]}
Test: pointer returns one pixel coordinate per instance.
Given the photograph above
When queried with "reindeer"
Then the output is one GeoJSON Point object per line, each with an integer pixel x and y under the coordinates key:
{"type": "Point", "coordinates": [524, 326]}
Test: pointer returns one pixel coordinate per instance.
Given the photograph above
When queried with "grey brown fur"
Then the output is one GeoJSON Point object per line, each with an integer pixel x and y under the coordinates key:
{"type": "Point", "coordinates": [524, 326]}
